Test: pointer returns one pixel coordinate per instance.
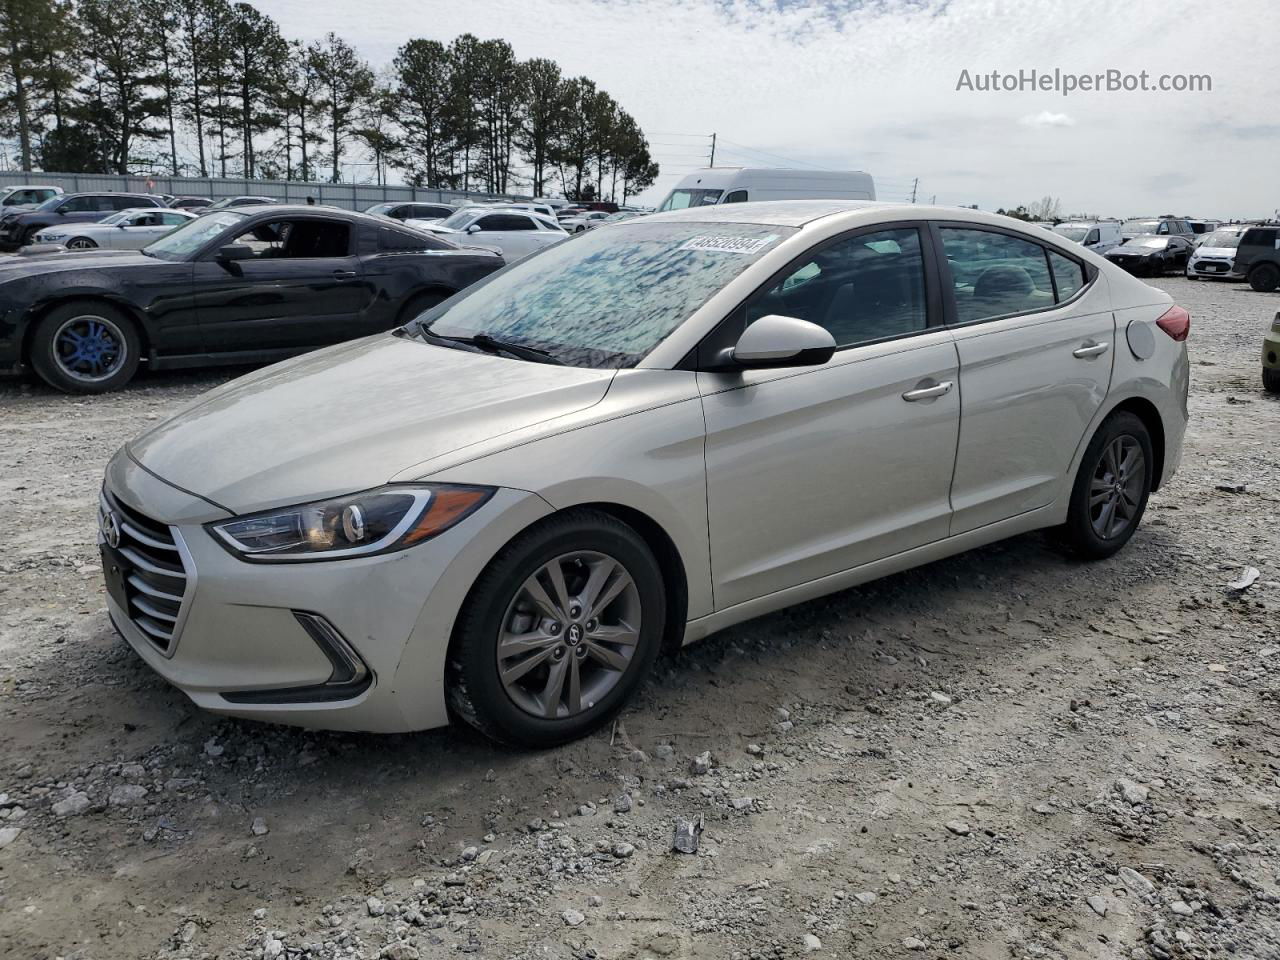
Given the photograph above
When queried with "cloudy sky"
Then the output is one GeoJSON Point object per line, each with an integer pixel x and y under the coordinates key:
{"type": "Point", "coordinates": [872, 84]}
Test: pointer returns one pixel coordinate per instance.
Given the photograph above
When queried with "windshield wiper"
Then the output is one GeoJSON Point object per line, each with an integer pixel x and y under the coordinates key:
{"type": "Point", "coordinates": [493, 345]}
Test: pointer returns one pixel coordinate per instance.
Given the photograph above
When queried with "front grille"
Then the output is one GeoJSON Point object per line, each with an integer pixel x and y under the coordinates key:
{"type": "Point", "coordinates": [157, 585]}
{"type": "Point", "coordinates": [1211, 266]}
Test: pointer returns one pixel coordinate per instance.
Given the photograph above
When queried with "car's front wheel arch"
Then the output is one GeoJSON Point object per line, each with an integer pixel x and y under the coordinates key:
{"type": "Point", "coordinates": [44, 309]}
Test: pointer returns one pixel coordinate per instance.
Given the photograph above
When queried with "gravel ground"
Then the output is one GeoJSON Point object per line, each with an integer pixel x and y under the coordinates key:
{"type": "Point", "coordinates": [1005, 754]}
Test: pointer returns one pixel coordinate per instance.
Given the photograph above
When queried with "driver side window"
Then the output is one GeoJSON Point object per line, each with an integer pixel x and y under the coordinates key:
{"type": "Point", "coordinates": [297, 239]}
{"type": "Point", "coordinates": [864, 288]}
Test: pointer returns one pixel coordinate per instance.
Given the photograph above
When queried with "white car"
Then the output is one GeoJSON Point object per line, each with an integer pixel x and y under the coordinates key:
{"type": "Point", "coordinates": [26, 197]}
{"type": "Point", "coordinates": [1215, 253]}
{"type": "Point", "coordinates": [585, 221]}
{"type": "Point", "coordinates": [126, 230]}
{"type": "Point", "coordinates": [1098, 235]}
{"type": "Point", "coordinates": [505, 509]}
{"type": "Point", "coordinates": [513, 232]}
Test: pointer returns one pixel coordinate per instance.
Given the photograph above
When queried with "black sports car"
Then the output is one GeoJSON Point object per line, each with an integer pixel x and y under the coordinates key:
{"type": "Point", "coordinates": [229, 287]}
{"type": "Point", "coordinates": [1151, 256]}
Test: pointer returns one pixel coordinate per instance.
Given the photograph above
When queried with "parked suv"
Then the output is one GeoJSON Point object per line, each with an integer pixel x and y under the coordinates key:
{"type": "Point", "coordinates": [26, 197]}
{"type": "Point", "coordinates": [1258, 258]}
{"type": "Point", "coordinates": [1157, 226]}
{"type": "Point", "coordinates": [1098, 235]}
{"type": "Point", "coordinates": [17, 229]}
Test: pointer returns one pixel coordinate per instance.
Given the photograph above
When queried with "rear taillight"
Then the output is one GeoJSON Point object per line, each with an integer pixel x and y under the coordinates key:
{"type": "Point", "coordinates": [1176, 322]}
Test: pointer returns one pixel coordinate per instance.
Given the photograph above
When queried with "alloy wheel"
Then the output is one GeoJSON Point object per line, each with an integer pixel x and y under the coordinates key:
{"type": "Point", "coordinates": [80, 243]}
{"type": "Point", "coordinates": [569, 635]}
{"type": "Point", "coordinates": [89, 348]}
{"type": "Point", "coordinates": [1115, 491]}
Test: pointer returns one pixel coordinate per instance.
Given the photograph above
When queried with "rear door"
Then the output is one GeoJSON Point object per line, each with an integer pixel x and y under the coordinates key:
{"type": "Point", "coordinates": [816, 470]}
{"type": "Point", "coordinates": [1036, 338]}
{"type": "Point", "coordinates": [302, 288]}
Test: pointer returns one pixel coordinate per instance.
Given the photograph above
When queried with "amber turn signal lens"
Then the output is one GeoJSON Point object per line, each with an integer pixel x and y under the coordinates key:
{"type": "Point", "coordinates": [447, 508]}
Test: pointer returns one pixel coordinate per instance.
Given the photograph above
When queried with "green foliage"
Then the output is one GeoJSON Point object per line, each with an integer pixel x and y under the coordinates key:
{"type": "Point", "coordinates": [210, 87]}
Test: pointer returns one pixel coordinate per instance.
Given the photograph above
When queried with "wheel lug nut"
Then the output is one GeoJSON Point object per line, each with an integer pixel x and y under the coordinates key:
{"type": "Point", "coordinates": [590, 626]}
{"type": "Point", "coordinates": [554, 629]}
{"type": "Point", "coordinates": [575, 610]}
{"type": "Point", "coordinates": [558, 653]}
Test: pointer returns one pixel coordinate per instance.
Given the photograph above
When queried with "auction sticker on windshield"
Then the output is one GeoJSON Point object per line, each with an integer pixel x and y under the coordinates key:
{"type": "Point", "coordinates": [730, 244]}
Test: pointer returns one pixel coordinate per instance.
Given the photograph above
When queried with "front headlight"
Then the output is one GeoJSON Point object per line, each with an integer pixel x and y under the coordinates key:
{"type": "Point", "coordinates": [50, 237]}
{"type": "Point", "coordinates": [377, 521]}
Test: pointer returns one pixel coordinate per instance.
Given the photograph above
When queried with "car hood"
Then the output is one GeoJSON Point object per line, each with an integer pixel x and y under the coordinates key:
{"type": "Point", "coordinates": [55, 260]}
{"type": "Point", "coordinates": [1228, 252]}
{"type": "Point", "coordinates": [351, 417]}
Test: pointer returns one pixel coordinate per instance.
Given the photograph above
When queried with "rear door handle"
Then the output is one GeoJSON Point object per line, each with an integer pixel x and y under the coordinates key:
{"type": "Point", "coordinates": [928, 393]}
{"type": "Point", "coordinates": [344, 274]}
{"type": "Point", "coordinates": [1090, 350]}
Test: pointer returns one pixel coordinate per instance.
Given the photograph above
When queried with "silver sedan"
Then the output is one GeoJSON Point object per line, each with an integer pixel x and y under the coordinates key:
{"type": "Point", "coordinates": [505, 510]}
{"type": "Point", "coordinates": [125, 230]}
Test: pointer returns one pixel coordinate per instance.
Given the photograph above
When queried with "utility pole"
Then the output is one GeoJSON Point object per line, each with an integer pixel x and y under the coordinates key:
{"type": "Point", "coordinates": [914, 183]}
{"type": "Point", "coordinates": [713, 151]}
{"type": "Point", "coordinates": [933, 201]}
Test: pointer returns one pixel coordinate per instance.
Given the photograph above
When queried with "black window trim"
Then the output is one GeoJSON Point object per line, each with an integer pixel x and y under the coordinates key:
{"type": "Point", "coordinates": [951, 312]}
{"type": "Point", "coordinates": [933, 292]}
{"type": "Point", "coordinates": [250, 221]}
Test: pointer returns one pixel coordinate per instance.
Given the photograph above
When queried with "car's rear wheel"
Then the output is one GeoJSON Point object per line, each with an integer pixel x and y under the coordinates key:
{"type": "Point", "coordinates": [1271, 379]}
{"type": "Point", "coordinates": [558, 631]}
{"type": "Point", "coordinates": [1265, 277]}
{"type": "Point", "coordinates": [1111, 488]}
{"type": "Point", "coordinates": [85, 347]}
{"type": "Point", "coordinates": [81, 243]}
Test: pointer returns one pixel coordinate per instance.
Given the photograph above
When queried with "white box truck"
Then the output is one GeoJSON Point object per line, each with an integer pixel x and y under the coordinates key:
{"type": "Point", "coordinates": [743, 184]}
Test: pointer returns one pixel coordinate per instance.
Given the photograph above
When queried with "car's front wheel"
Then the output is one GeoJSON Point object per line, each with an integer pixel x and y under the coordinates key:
{"type": "Point", "coordinates": [1111, 488]}
{"type": "Point", "coordinates": [85, 347]}
{"type": "Point", "coordinates": [558, 631]}
{"type": "Point", "coordinates": [1271, 379]}
{"type": "Point", "coordinates": [81, 243]}
{"type": "Point", "coordinates": [1265, 277]}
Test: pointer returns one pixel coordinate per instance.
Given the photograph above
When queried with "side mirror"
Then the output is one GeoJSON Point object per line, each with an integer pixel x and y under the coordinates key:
{"type": "Point", "coordinates": [777, 341]}
{"type": "Point", "coordinates": [235, 251]}
{"type": "Point", "coordinates": [474, 228]}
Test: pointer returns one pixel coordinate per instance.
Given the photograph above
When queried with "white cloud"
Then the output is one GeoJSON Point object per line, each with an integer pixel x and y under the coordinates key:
{"type": "Point", "coordinates": [1046, 118]}
{"type": "Point", "coordinates": [872, 85]}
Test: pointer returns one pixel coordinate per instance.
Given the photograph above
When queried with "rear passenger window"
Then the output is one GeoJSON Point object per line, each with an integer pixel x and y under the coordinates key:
{"type": "Point", "coordinates": [865, 288]}
{"type": "Point", "coordinates": [1067, 274]}
{"type": "Point", "coordinates": [397, 241]}
{"type": "Point", "coordinates": [996, 275]}
{"type": "Point", "coordinates": [737, 196]}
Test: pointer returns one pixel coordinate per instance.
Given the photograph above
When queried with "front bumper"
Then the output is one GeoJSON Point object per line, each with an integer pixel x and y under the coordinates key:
{"type": "Point", "coordinates": [1210, 268]}
{"type": "Point", "coordinates": [357, 644]}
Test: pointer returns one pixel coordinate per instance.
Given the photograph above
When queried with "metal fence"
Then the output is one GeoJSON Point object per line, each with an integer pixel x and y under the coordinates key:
{"type": "Point", "coordinates": [353, 196]}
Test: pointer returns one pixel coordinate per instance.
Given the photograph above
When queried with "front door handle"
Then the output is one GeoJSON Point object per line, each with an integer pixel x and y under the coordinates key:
{"type": "Point", "coordinates": [1090, 350]}
{"type": "Point", "coordinates": [928, 393]}
{"type": "Point", "coordinates": [344, 274]}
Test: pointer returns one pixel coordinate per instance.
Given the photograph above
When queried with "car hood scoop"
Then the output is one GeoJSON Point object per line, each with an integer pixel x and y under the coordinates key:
{"type": "Point", "coordinates": [350, 417]}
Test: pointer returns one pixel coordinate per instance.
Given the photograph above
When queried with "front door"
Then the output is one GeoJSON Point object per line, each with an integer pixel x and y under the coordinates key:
{"type": "Point", "coordinates": [303, 287]}
{"type": "Point", "coordinates": [1036, 339]}
{"type": "Point", "coordinates": [813, 471]}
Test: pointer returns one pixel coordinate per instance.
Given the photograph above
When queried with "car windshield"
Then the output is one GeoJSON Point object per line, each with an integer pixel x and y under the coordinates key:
{"type": "Point", "coordinates": [608, 297]}
{"type": "Point", "coordinates": [1154, 242]}
{"type": "Point", "coordinates": [1222, 238]}
{"type": "Point", "coordinates": [118, 216]}
{"type": "Point", "coordinates": [461, 219]}
{"type": "Point", "coordinates": [680, 199]}
{"type": "Point", "coordinates": [1140, 226]}
{"type": "Point", "coordinates": [185, 240]}
{"type": "Point", "coordinates": [1072, 232]}
{"type": "Point", "coordinates": [52, 202]}
{"type": "Point", "coordinates": [381, 207]}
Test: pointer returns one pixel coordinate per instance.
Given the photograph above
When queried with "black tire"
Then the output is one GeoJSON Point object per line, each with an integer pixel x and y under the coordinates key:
{"type": "Point", "coordinates": [81, 243]}
{"type": "Point", "coordinates": [121, 350]}
{"type": "Point", "coordinates": [1265, 277]}
{"type": "Point", "coordinates": [1081, 532]}
{"type": "Point", "coordinates": [1271, 379]}
{"type": "Point", "coordinates": [475, 688]}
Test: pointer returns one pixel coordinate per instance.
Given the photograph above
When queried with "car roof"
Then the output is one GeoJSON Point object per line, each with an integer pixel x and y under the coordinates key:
{"type": "Point", "coordinates": [798, 213]}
